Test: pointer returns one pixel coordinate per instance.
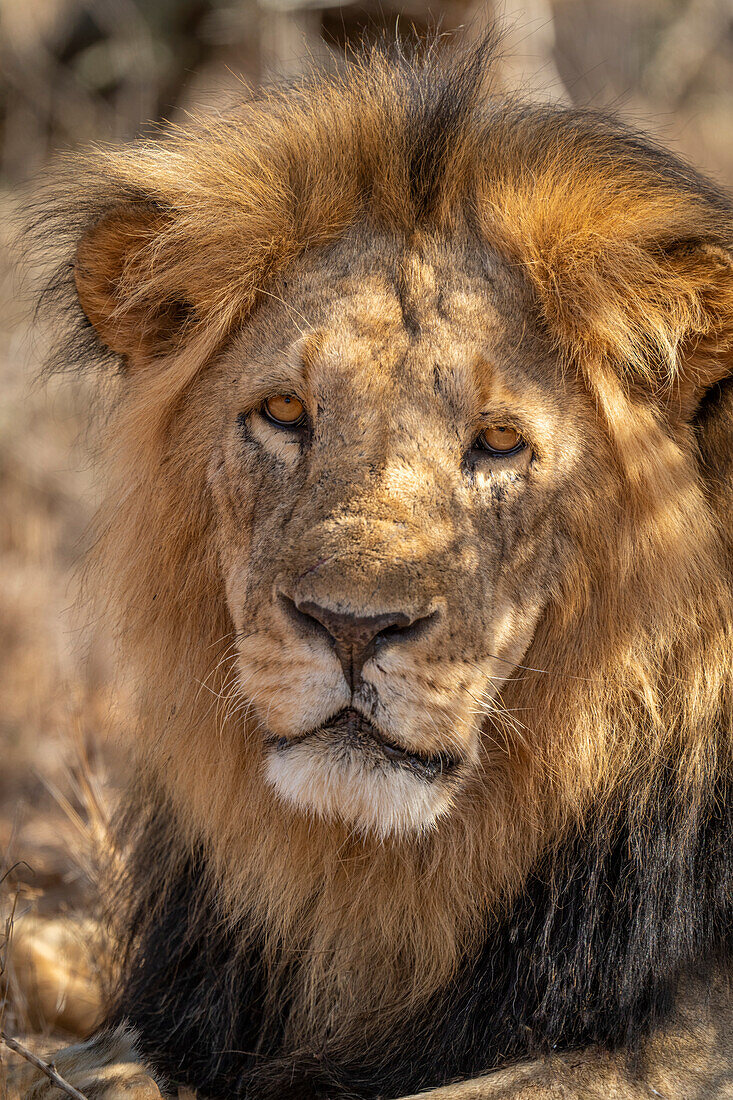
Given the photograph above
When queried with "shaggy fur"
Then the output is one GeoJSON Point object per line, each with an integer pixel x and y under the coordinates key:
{"type": "Point", "coordinates": [582, 865]}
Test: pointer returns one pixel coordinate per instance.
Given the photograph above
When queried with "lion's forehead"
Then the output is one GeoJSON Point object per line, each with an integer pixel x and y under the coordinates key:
{"type": "Point", "coordinates": [443, 332]}
{"type": "Point", "coordinates": [432, 284]}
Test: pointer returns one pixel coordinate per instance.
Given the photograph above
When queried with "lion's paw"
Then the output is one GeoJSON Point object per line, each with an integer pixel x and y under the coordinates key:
{"type": "Point", "coordinates": [106, 1067]}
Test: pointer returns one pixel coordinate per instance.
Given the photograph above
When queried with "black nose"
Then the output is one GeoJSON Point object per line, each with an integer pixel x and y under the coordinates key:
{"type": "Point", "coordinates": [356, 637]}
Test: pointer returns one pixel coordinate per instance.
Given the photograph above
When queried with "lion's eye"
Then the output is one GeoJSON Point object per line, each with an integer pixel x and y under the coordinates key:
{"type": "Point", "coordinates": [284, 409]}
{"type": "Point", "coordinates": [500, 440]}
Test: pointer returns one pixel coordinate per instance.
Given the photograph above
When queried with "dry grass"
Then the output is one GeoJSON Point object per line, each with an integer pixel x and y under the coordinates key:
{"type": "Point", "coordinates": [60, 715]}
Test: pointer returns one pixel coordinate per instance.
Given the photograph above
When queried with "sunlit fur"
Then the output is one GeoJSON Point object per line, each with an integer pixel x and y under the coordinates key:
{"type": "Point", "coordinates": [623, 255]}
{"type": "Point", "coordinates": [106, 1068]}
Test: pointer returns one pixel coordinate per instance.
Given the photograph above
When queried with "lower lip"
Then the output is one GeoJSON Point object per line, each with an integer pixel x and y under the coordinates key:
{"type": "Point", "coordinates": [352, 728]}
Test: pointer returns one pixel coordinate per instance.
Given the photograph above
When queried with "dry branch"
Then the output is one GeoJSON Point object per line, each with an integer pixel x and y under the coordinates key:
{"type": "Point", "coordinates": [44, 1067]}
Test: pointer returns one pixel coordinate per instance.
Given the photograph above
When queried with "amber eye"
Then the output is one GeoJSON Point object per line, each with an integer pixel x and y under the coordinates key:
{"type": "Point", "coordinates": [500, 440]}
{"type": "Point", "coordinates": [284, 409]}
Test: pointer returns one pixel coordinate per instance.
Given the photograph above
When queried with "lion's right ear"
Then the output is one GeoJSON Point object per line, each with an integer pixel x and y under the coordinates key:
{"type": "Point", "coordinates": [714, 427]}
{"type": "Point", "coordinates": [125, 288]}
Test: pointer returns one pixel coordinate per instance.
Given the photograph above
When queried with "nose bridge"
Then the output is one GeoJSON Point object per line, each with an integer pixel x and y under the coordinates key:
{"type": "Point", "coordinates": [373, 563]}
{"type": "Point", "coordinates": [378, 525]}
{"type": "Point", "coordinates": [395, 481]}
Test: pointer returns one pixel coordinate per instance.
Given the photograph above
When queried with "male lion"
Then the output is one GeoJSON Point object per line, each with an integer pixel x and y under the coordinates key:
{"type": "Point", "coordinates": [418, 537]}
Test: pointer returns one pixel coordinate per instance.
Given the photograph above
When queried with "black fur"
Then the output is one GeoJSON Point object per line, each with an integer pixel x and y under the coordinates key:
{"type": "Point", "coordinates": [590, 952]}
{"type": "Point", "coordinates": [441, 105]}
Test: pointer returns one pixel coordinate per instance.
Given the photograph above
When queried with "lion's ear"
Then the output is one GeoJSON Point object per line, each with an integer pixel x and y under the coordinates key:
{"type": "Point", "coordinates": [705, 383]}
{"type": "Point", "coordinates": [705, 274]}
{"type": "Point", "coordinates": [714, 427]}
{"type": "Point", "coordinates": [121, 283]}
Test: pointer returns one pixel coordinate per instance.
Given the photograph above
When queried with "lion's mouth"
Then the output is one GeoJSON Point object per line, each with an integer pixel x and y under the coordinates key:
{"type": "Point", "coordinates": [353, 733]}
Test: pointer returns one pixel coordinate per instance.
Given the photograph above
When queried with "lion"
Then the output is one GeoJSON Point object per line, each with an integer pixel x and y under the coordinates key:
{"type": "Point", "coordinates": [416, 537]}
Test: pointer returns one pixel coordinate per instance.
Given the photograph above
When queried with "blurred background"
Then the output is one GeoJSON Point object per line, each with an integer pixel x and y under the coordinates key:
{"type": "Point", "coordinates": [82, 70]}
{"type": "Point", "coordinates": [79, 71]}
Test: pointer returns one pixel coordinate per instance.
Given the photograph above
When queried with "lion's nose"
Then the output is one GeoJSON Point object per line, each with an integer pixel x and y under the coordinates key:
{"type": "Point", "coordinates": [356, 637]}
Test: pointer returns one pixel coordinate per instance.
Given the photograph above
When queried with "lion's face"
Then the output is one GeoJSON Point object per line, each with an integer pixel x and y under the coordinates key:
{"type": "Point", "coordinates": [389, 546]}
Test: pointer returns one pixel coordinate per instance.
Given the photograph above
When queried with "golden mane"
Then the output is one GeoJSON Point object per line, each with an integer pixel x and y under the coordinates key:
{"type": "Point", "coordinates": [627, 684]}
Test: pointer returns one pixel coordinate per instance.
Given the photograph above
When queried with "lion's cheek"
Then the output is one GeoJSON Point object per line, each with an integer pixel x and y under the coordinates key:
{"type": "Point", "coordinates": [433, 707]}
{"type": "Point", "coordinates": [290, 688]}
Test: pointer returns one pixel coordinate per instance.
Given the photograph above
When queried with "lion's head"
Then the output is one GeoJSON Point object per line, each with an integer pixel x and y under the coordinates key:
{"type": "Point", "coordinates": [419, 489]}
{"type": "Point", "coordinates": [392, 442]}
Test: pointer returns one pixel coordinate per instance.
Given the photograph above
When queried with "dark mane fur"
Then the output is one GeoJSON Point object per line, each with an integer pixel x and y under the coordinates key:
{"type": "Point", "coordinates": [590, 952]}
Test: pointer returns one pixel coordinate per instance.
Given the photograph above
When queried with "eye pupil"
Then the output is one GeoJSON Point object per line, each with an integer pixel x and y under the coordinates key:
{"type": "Point", "coordinates": [500, 439]}
{"type": "Point", "coordinates": [284, 409]}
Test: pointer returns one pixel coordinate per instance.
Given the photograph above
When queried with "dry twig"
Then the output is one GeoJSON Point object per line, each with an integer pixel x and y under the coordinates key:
{"type": "Point", "coordinates": [44, 1067]}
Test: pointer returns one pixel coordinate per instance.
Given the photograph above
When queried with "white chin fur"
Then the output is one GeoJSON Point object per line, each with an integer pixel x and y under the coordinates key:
{"type": "Point", "coordinates": [386, 801]}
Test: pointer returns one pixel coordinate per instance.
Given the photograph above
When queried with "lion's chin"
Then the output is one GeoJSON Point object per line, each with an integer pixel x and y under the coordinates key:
{"type": "Point", "coordinates": [346, 770]}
